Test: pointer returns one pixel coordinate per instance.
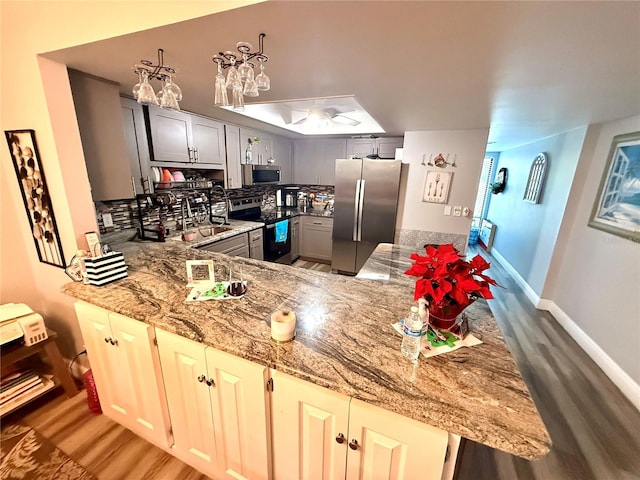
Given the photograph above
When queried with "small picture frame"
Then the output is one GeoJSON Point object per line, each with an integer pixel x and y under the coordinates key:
{"type": "Point", "coordinates": [200, 272]}
{"type": "Point", "coordinates": [436, 187]}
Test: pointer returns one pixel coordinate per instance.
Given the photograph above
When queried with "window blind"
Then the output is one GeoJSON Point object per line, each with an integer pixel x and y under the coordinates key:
{"type": "Point", "coordinates": [484, 188]}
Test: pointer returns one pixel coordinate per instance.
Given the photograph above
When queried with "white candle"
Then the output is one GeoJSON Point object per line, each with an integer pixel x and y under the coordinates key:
{"type": "Point", "coordinates": [283, 325]}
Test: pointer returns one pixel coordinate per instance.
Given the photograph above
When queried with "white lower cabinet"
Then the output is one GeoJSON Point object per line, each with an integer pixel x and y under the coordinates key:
{"type": "Point", "coordinates": [316, 241]}
{"type": "Point", "coordinates": [320, 434]}
{"type": "Point", "coordinates": [218, 408]}
{"type": "Point", "coordinates": [126, 370]}
{"type": "Point", "coordinates": [227, 424]}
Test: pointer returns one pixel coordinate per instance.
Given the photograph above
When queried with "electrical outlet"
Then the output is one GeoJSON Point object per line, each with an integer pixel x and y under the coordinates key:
{"type": "Point", "coordinates": [447, 210]}
{"type": "Point", "coordinates": [107, 220]}
{"type": "Point", "coordinates": [457, 211]}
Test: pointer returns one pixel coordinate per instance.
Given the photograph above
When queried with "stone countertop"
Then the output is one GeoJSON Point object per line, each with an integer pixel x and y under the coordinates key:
{"type": "Point", "coordinates": [344, 339]}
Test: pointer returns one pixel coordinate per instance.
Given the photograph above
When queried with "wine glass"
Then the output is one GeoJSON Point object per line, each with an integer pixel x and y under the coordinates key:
{"type": "Point", "coordinates": [136, 87]}
{"type": "Point", "coordinates": [238, 98]}
{"type": "Point", "coordinates": [250, 88]}
{"type": "Point", "coordinates": [173, 87]}
{"type": "Point", "coordinates": [233, 77]}
{"type": "Point", "coordinates": [237, 286]}
{"type": "Point", "coordinates": [220, 97]}
{"type": "Point", "coordinates": [262, 80]}
{"type": "Point", "coordinates": [146, 94]}
{"type": "Point", "coordinates": [245, 71]}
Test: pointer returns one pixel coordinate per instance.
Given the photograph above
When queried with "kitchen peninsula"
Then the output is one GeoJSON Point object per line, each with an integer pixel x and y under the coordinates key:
{"type": "Point", "coordinates": [344, 339]}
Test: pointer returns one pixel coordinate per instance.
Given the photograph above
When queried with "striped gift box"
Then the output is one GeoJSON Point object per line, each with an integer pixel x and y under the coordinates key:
{"type": "Point", "coordinates": [105, 269]}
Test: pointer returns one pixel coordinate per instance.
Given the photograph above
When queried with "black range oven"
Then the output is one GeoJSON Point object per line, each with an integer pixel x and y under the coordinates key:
{"type": "Point", "coordinates": [277, 235]}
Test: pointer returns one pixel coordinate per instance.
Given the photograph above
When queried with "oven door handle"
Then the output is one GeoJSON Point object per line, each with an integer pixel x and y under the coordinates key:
{"type": "Point", "coordinates": [270, 226]}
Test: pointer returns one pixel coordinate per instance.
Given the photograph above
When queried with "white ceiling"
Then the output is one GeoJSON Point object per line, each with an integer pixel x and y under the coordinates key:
{"type": "Point", "coordinates": [526, 70]}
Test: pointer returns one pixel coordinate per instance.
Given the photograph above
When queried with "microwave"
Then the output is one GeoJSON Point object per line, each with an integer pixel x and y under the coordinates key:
{"type": "Point", "coordinates": [260, 174]}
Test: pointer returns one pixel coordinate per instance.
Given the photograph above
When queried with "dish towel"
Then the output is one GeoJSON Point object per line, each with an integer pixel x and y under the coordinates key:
{"type": "Point", "coordinates": [281, 231]}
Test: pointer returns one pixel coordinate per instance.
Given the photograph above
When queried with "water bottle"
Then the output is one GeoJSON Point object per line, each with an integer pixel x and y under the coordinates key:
{"type": "Point", "coordinates": [412, 330]}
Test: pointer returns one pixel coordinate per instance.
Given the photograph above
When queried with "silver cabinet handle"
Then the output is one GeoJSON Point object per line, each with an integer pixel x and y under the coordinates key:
{"type": "Point", "coordinates": [133, 185]}
{"type": "Point", "coordinates": [360, 208]}
{"type": "Point", "coordinates": [201, 378]}
{"type": "Point", "coordinates": [353, 444]}
{"type": "Point", "coordinates": [355, 212]}
{"type": "Point", "coordinates": [197, 154]}
{"type": "Point", "coordinates": [340, 438]}
{"type": "Point", "coordinates": [189, 154]}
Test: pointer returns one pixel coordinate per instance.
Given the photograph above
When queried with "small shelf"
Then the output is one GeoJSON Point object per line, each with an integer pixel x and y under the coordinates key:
{"type": "Point", "coordinates": [28, 396]}
{"type": "Point", "coordinates": [59, 375]}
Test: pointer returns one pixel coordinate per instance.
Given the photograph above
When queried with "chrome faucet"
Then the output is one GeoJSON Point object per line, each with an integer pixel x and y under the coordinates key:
{"type": "Point", "coordinates": [226, 203]}
{"type": "Point", "coordinates": [183, 214]}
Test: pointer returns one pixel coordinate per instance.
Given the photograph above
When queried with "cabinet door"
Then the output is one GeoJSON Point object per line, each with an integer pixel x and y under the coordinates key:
{"type": "Point", "coordinates": [282, 153]}
{"type": "Point", "coordinates": [170, 135]}
{"type": "Point", "coordinates": [184, 370]}
{"type": "Point", "coordinates": [256, 244]}
{"type": "Point", "coordinates": [306, 168]}
{"type": "Point", "coordinates": [386, 147]}
{"type": "Point", "coordinates": [208, 142]}
{"type": "Point", "coordinates": [316, 238]}
{"type": "Point", "coordinates": [136, 143]}
{"type": "Point", "coordinates": [308, 422]}
{"type": "Point", "coordinates": [232, 148]}
{"type": "Point", "coordinates": [96, 332]}
{"type": "Point", "coordinates": [390, 446]}
{"type": "Point", "coordinates": [295, 238]}
{"type": "Point", "coordinates": [331, 150]}
{"type": "Point", "coordinates": [240, 420]}
{"type": "Point", "coordinates": [140, 379]}
{"type": "Point", "coordinates": [360, 147]}
{"type": "Point", "coordinates": [98, 111]}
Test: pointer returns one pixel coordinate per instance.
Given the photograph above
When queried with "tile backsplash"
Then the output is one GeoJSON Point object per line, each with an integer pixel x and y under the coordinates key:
{"type": "Point", "coordinates": [124, 213]}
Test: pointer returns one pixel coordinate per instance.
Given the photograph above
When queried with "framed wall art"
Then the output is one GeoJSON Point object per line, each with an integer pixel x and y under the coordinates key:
{"type": "Point", "coordinates": [616, 209]}
{"type": "Point", "coordinates": [35, 196]}
{"type": "Point", "coordinates": [436, 187]}
{"type": "Point", "coordinates": [535, 182]}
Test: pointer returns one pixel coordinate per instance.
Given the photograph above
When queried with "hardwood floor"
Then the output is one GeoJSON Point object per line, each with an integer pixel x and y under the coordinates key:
{"type": "Point", "coordinates": [595, 430]}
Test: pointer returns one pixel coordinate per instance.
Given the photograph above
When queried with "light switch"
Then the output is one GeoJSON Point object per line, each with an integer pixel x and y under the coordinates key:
{"type": "Point", "coordinates": [457, 211]}
{"type": "Point", "coordinates": [447, 210]}
{"type": "Point", "coordinates": [465, 211]}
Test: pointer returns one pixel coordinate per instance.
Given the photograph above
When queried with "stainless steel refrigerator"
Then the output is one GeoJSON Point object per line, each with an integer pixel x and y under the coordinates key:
{"type": "Point", "coordinates": [365, 205]}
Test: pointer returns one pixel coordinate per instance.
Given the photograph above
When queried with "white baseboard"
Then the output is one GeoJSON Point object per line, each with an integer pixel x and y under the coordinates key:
{"type": "Point", "coordinates": [611, 369]}
{"type": "Point", "coordinates": [533, 297]}
{"type": "Point", "coordinates": [619, 377]}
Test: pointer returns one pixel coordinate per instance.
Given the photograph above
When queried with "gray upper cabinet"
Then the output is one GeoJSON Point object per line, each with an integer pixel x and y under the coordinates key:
{"type": "Point", "coordinates": [314, 160]}
{"type": "Point", "coordinates": [282, 154]}
{"type": "Point", "coordinates": [135, 137]}
{"type": "Point", "coordinates": [186, 140]}
{"type": "Point", "coordinates": [111, 154]}
{"type": "Point", "coordinates": [232, 144]}
{"type": "Point", "coordinates": [384, 147]}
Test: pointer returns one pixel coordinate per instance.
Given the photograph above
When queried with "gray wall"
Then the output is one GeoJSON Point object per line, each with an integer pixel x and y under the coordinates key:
{"type": "Point", "coordinates": [595, 276]}
{"type": "Point", "coordinates": [526, 233]}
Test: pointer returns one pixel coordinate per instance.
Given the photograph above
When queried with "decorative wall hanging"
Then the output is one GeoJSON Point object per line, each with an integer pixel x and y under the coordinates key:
{"type": "Point", "coordinates": [500, 181]}
{"type": "Point", "coordinates": [436, 187]}
{"type": "Point", "coordinates": [537, 174]}
{"type": "Point", "coordinates": [616, 209]}
{"type": "Point", "coordinates": [35, 195]}
{"type": "Point", "coordinates": [439, 160]}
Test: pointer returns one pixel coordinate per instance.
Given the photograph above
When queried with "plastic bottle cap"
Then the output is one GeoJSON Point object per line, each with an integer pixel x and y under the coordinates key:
{"type": "Point", "coordinates": [414, 309]}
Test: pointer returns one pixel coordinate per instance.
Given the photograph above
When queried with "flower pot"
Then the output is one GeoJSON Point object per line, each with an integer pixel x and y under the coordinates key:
{"type": "Point", "coordinates": [445, 317]}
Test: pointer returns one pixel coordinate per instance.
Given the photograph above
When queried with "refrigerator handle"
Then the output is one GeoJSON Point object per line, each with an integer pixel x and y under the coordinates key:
{"type": "Point", "coordinates": [356, 203]}
{"type": "Point", "coordinates": [360, 209]}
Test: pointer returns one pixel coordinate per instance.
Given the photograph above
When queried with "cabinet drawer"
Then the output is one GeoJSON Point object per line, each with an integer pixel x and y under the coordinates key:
{"type": "Point", "coordinates": [256, 236]}
{"type": "Point", "coordinates": [235, 245]}
{"type": "Point", "coordinates": [318, 222]}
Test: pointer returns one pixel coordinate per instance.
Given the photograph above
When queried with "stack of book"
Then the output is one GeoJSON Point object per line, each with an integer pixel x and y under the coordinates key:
{"type": "Point", "coordinates": [20, 387]}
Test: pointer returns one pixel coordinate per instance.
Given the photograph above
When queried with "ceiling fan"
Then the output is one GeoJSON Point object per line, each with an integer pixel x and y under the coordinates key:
{"type": "Point", "coordinates": [322, 117]}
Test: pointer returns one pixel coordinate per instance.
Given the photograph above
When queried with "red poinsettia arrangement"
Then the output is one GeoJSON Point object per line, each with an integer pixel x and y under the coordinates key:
{"type": "Point", "coordinates": [447, 281]}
